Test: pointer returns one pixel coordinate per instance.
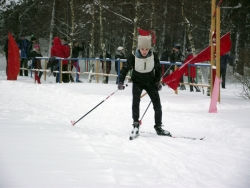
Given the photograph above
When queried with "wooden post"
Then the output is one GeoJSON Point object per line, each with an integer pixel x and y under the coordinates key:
{"type": "Point", "coordinates": [45, 69]}
{"type": "Point", "coordinates": [175, 68]}
{"type": "Point", "coordinates": [212, 32]}
{"type": "Point", "coordinates": [121, 65]}
{"type": "Point", "coordinates": [97, 63]}
{"type": "Point", "coordinates": [218, 45]}
{"type": "Point", "coordinates": [60, 70]}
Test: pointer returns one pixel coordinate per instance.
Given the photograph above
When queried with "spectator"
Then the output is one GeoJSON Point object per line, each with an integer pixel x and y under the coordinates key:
{"type": "Point", "coordinates": [36, 63]}
{"type": "Point", "coordinates": [119, 54]}
{"type": "Point", "coordinates": [223, 69]}
{"type": "Point", "coordinates": [75, 63]}
{"type": "Point", "coordinates": [166, 68]}
{"type": "Point", "coordinates": [34, 42]}
{"type": "Point", "coordinates": [176, 56]}
{"type": "Point", "coordinates": [108, 66]}
{"type": "Point", "coordinates": [25, 47]}
{"type": "Point", "coordinates": [57, 51]}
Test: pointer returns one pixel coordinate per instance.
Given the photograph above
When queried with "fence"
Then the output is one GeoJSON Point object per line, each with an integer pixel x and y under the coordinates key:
{"type": "Point", "coordinates": [91, 66]}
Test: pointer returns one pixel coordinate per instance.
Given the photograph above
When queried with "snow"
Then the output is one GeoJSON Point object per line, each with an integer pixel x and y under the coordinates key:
{"type": "Point", "coordinates": [40, 148]}
{"type": "Point", "coordinates": [8, 3]}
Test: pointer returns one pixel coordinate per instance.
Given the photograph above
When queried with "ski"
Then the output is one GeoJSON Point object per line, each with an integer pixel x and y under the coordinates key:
{"type": "Point", "coordinates": [188, 137]}
{"type": "Point", "coordinates": [173, 136]}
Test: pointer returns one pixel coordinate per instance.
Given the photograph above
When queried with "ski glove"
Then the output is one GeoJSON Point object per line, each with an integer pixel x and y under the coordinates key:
{"type": "Point", "coordinates": [121, 86]}
{"type": "Point", "coordinates": [158, 86]}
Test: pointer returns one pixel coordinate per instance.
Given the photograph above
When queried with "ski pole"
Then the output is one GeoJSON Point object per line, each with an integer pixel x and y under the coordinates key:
{"type": "Point", "coordinates": [140, 121]}
{"type": "Point", "coordinates": [74, 122]}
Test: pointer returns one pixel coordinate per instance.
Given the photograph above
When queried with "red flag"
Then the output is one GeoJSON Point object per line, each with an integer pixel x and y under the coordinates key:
{"type": "Point", "coordinates": [13, 59]}
{"type": "Point", "coordinates": [173, 79]}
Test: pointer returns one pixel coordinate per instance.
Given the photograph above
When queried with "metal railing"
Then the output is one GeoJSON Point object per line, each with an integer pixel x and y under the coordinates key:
{"type": "Point", "coordinates": [89, 62]}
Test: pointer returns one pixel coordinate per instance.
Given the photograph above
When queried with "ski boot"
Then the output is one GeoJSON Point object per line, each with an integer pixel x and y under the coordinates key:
{"type": "Point", "coordinates": [161, 132]}
{"type": "Point", "coordinates": [135, 132]}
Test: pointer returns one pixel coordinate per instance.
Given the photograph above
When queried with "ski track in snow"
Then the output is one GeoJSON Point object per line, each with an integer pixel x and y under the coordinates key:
{"type": "Point", "coordinates": [40, 148]}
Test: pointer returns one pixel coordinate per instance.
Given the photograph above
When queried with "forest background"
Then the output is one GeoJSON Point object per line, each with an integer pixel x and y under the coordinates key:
{"type": "Point", "coordinates": [104, 25]}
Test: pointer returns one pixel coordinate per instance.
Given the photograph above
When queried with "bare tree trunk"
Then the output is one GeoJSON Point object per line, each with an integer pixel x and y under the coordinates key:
{"type": "Point", "coordinates": [72, 34]}
{"type": "Point", "coordinates": [152, 15]}
{"type": "Point", "coordinates": [163, 33]}
{"type": "Point", "coordinates": [92, 34]}
{"type": "Point", "coordinates": [135, 26]}
{"type": "Point", "coordinates": [236, 51]}
{"type": "Point", "coordinates": [189, 35]}
{"type": "Point", "coordinates": [184, 42]}
{"type": "Point", "coordinates": [52, 25]}
{"type": "Point", "coordinates": [152, 23]}
{"type": "Point", "coordinates": [101, 28]}
{"type": "Point", "coordinates": [188, 31]}
{"type": "Point", "coordinates": [101, 39]}
{"type": "Point", "coordinates": [92, 42]}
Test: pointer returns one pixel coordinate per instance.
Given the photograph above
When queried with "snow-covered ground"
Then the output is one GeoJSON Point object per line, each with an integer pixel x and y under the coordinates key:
{"type": "Point", "coordinates": [40, 148]}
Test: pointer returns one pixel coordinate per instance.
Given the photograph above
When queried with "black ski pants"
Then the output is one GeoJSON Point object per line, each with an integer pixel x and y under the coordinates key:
{"type": "Point", "coordinates": [154, 96]}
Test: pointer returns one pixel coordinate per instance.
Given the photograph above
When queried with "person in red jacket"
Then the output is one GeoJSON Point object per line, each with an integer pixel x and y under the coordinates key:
{"type": "Point", "coordinates": [58, 50]}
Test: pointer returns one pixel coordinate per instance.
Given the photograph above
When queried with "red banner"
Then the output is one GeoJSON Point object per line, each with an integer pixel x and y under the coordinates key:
{"type": "Point", "coordinates": [173, 79]}
{"type": "Point", "coordinates": [13, 59]}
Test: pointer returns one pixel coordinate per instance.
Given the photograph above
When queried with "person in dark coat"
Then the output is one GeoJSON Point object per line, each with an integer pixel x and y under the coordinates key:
{"type": "Point", "coordinates": [36, 63]}
{"type": "Point", "coordinates": [146, 75]}
{"type": "Point", "coordinates": [76, 49]}
{"type": "Point", "coordinates": [223, 69]}
{"type": "Point", "coordinates": [119, 54]}
{"type": "Point", "coordinates": [166, 68]}
{"type": "Point", "coordinates": [108, 66]}
{"type": "Point", "coordinates": [25, 47]}
{"type": "Point", "coordinates": [176, 56]}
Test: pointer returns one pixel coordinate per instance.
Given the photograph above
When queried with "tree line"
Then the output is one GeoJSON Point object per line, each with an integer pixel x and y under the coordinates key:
{"type": "Point", "coordinates": [104, 25]}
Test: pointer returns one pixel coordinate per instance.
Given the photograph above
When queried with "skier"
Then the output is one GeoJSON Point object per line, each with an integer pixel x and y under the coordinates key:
{"type": "Point", "coordinates": [146, 74]}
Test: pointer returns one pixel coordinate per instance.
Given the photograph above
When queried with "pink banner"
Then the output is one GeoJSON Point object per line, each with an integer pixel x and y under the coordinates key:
{"type": "Point", "coordinates": [215, 96]}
